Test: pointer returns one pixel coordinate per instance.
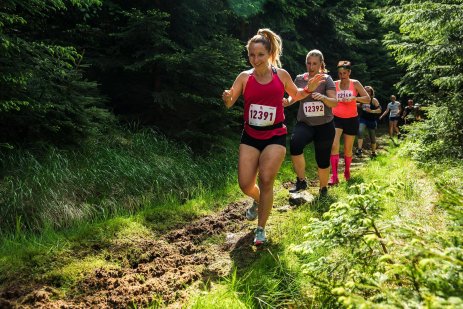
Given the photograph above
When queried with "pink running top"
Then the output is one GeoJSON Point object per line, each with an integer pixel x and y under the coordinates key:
{"type": "Point", "coordinates": [263, 108]}
{"type": "Point", "coordinates": [345, 109]}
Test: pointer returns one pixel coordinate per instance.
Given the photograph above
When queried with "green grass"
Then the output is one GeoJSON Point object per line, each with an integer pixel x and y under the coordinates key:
{"type": "Point", "coordinates": [117, 175]}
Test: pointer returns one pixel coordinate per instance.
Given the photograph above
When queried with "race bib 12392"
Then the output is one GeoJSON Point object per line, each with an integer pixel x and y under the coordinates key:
{"type": "Point", "coordinates": [314, 109]}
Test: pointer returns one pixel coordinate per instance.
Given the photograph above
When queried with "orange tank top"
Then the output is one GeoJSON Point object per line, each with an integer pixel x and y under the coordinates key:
{"type": "Point", "coordinates": [345, 109]}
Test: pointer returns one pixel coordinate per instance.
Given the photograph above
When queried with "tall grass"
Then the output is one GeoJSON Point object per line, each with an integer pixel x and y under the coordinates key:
{"type": "Point", "coordinates": [104, 177]}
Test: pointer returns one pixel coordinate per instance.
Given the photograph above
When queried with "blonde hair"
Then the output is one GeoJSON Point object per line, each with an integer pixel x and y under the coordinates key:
{"type": "Point", "coordinates": [272, 43]}
{"type": "Point", "coordinates": [317, 53]}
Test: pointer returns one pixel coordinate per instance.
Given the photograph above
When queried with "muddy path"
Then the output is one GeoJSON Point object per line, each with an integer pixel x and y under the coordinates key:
{"type": "Point", "coordinates": [159, 270]}
{"type": "Point", "coordinates": [153, 270]}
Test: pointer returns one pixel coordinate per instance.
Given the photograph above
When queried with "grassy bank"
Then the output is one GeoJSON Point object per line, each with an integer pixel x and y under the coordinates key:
{"type": "Point", "coordinates": [118, 175]}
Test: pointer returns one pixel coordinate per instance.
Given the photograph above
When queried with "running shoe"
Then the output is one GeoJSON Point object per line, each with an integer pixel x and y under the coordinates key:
{"type": "Point", "coordinates": [251, 212]}
{"type": "Point", "coordinates": [259, 239]}
{"type": "Point", "coordinates": [300, 185]}
{"type": "Point", "coordinates": [373, 154]}
{"type": "Point", "coordinates": [323, 192]}
{"type": "Point", "coordinates": [359, 152]}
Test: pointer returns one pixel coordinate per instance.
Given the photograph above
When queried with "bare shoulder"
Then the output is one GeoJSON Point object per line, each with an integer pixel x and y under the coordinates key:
{"type": "Point", "coordinates": [282, 71]}
{"type": "Point", "coordinates": [283, 75]}
{"type": "Point", "coordinates": [244, 76]}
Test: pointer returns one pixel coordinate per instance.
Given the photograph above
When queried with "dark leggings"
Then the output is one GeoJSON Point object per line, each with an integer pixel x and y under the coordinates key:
{"type": "Point", "coordinates": [321, 135]}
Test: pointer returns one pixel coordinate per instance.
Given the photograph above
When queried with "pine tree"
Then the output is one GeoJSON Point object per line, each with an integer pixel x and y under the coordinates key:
{"type": "Point", "coordinates": [428, 45]}
{"type": "Point", "coordinates": [44, 96]}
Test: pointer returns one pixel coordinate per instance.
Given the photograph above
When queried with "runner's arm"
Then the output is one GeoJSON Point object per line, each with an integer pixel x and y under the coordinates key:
{"type": "Point", "coordinates": [385, 113]}
{"type": "Point", "coordinates": [230, 96]}
{"type": "Point", "coordinates": [296, 93]}
{"type": "Point", "coordinates": [329, 99]}
{"type": "Point", "coordinates": [364, 97]}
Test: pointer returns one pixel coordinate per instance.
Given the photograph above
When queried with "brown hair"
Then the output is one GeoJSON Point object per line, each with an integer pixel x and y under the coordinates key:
{"type": "Point", "coordinates": [317, 53]}
{"type": "Point", "coordinates": [372, 91]}
{"type": "Point", "coordinates": [272, 43]}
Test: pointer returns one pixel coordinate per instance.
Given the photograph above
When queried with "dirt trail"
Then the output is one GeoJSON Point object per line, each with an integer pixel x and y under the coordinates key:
{"type": "Point", "coordinates": [160, 273]}
{"type": "Point", "coordinates": [156, 270]}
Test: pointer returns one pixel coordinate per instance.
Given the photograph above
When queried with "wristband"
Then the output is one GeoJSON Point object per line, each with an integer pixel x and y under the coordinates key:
{"type": "Point", "coordinates": [306, 90]}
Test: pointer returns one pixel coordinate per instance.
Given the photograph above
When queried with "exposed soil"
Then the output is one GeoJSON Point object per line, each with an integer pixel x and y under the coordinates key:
{"type": "Point", "coordinates": [154, 270]}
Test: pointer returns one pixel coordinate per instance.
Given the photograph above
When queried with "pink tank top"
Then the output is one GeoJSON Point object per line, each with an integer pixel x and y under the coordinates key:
{"type": "Point", "coordinates": [345, 109]}
{"type": "Point", "coordinates": [263, 108]}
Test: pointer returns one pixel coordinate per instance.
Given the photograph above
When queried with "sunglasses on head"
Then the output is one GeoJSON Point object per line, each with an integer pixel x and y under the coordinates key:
{"type": "Point", "coordinates": [344, 65]}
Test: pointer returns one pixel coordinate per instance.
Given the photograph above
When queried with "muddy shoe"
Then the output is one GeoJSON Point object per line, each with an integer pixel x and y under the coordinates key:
{"type": "Point", "coordinates": [251, 212]}
{"type": "Point", "coordinates": [259, 239]}
{"type": "Point", "coordinates": [300, 185]}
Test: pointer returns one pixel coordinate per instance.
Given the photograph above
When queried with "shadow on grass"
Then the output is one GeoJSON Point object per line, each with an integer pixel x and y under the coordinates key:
{"type": "Point", "coordinates": [244, 253]}
{"type": "Point", "coordinates": [264, 279]}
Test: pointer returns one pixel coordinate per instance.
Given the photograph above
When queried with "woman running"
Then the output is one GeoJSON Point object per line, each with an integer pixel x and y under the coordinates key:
{"type": "Point", "coordinates": [345, 118]}
{"type": "Point", "coordinates": [314, 123]}
{"type": "Point", "coordinates": [393, 108]}
{"type": "Point", "coordinates": [367, 120]}
{"type": "Point", "coordinates": [263, 141]}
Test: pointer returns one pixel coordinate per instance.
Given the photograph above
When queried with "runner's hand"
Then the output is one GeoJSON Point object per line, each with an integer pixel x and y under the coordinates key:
{"type": "Point", "coordinates": [227, 95]}
{"type": "Point", "coordinates": [318, 96]}
{"type": "Point", "coordinates": [313, 83]}
{"type": "Point", "coordinates": [347, 99]}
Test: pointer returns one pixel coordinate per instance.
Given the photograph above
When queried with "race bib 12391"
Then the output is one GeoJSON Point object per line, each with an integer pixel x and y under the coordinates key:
{"type": "Point", "coordinates": [261, 115]}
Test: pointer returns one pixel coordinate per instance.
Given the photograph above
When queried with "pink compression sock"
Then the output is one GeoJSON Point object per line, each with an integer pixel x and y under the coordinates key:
{"type": "Point", "coordinates": [347, 162]}
{"type": "Point", "coordinates": [334, 159]}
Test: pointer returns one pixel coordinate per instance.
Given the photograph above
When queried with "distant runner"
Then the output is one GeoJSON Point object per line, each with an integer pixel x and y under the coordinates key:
{"type": "Point", "coordinates": [408, 114]}
{"type": "Point", "coordinates": [367, 120]}
{"type": "Point", "coordinates": [348, 93]}
{"type": "Point", "coordinates": [394, 109]}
